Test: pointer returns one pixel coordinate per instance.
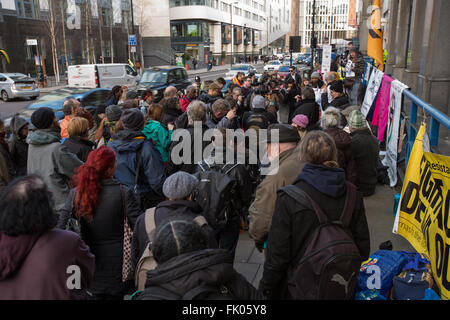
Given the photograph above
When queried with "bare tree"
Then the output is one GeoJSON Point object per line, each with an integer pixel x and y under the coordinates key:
{"type": "Point", "coordinates": [50, 22]}
{"type": "Point", "coordinates": [63, 23]}
{"type": "Point", "coordinates": [100, 29]}
{"type": "Point", "coordinates": [143, 27]}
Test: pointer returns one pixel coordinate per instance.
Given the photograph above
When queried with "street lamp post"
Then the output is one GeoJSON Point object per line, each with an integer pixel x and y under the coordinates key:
{"type": "Point", "coordinates": [232, 33]}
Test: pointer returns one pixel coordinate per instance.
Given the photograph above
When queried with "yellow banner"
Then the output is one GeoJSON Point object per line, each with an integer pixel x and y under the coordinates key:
{"type": "Point", "coordinates": [424, 210]}
{"type": "Point", "coordinates": [375, 40]}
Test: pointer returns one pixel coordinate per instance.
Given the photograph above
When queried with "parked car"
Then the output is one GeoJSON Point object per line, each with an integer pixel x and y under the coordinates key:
{"type": "Point", "coordinates": [283, 71]}
{"type": "Point", "coordinates": [89, 98]}
{"type": "Point", "coordinates": [101, 75]}
{"type": "Point", "coordinates": [18, 85]}
{"type": "Point", "coordinates": [246, 68]}
{"type": "Point", "coordinates": [159, 78]}
{"type": "Point", "coordinates": [272, 65]}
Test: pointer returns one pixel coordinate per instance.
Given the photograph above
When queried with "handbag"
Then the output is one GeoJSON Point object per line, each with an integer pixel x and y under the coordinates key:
{"type": "Point", "coordinates": [127, 268]}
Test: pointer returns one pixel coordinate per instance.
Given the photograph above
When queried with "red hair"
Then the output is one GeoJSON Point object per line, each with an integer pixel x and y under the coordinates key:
{"type": "Point", "coordinates": [87, 180]}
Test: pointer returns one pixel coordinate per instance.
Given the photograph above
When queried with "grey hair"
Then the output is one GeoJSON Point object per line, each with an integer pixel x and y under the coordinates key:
{"type": "Point", "coordinates": [331, 118]}
{"type": "Point", "coordinates": [196, 111]}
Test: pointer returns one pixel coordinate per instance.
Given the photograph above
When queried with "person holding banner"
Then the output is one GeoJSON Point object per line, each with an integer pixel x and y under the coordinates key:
{"type": "Point", "coordinates": [354, 72]}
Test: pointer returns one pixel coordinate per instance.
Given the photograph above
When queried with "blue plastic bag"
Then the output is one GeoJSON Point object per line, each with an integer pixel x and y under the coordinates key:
{"type": "Point", "coordinates": [386, 265]}
{"type": "Point", "coordinates": [369, 295]}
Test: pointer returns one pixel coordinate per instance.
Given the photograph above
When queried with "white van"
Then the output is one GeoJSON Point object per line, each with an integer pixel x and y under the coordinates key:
{"type": "Point", "coordinates": [101, 75]}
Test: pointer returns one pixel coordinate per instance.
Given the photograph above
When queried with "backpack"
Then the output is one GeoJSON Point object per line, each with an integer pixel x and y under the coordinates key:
{"type": "Point", "coordinates": [328, 268]}
{"type": "Point", "coordinates": [257, 121]}
{"type": "Point", "coordinates": [202, 292]}
{"type": "Point", "coordinates": [214, 192]}
{"type": "Point", "coordinates": [147, 261]}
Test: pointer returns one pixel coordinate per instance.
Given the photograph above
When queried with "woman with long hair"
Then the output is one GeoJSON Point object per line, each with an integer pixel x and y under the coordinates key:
{"type": "Point", "coordinates": [100, 204]}
{"type": "Point", "coordinates": [158, 132]}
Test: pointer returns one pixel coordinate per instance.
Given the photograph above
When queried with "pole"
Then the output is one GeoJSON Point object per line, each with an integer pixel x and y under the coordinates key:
{"type": "Point", "coordinates": [132, 27]}
{"type": "Point", "coordinates": [232, 35]}
{"type": "Point", "coordinates": [313, 42]}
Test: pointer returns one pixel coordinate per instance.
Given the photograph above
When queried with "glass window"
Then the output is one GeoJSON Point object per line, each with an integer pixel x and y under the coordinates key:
{"type": "Point", "coordinates": [152, 76]}
{"type": "Point", "coordinates": [27, 8]}
{"type": "Point", "coordinates": [129, 70]}
{"type": "Point", "coordinates": [95, 98]}
{"type": "Point", "coordinates": [192, 30]}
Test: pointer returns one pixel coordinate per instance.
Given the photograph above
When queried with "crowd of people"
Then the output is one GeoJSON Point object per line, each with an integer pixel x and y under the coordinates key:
{"type": "Point", "coordinates": [110, 177]}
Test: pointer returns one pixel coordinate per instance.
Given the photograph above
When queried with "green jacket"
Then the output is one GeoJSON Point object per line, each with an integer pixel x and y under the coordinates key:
{"type": "Point", "coordinates": [161, 136]}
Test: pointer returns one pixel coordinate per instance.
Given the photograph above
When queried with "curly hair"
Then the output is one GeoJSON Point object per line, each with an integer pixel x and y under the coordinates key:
{"type": "Point", "coordinates": [26, 207]}
{"type": "Point", "coordinates": [87, 180]}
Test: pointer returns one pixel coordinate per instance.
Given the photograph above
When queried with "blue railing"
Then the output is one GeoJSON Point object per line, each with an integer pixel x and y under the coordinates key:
{"type": "Point", "coordinates": [437, 119]}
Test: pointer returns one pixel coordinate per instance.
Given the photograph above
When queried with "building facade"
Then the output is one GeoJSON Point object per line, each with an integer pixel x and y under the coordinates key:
{"type": "Point", "coordinates": [74, 31]}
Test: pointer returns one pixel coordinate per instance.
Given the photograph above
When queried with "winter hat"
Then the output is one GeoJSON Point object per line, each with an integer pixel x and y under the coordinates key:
{"type": "Point", "coordinates": [286, 134]}
{"type": "Point", "coordinates": [301, 120]}
{"type": "Point", "coordinates": [259, 102]}
{"type": "Point", "coordinates": [133, 120]}
{"type": "Point", "coordinates": [179, 185]}
{"type": "Point", "coordinates": [113, 113]}
{"type": "Point", "coordinates": [356, 120]}
{"type": "Point", "coordinates": [337, 86]}
{"type": "Point", "coordinates": [315, 75]}
{"type": "Point", "coordinates": [43, 118]}
{"type": "Point", "coordinates": [100, 109]}
{"type": "Point", "coordinates": [331, 118]}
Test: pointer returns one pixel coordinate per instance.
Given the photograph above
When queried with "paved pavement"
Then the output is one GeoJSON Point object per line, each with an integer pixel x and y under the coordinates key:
{"type": "Point", "coordinates": [379, 212]}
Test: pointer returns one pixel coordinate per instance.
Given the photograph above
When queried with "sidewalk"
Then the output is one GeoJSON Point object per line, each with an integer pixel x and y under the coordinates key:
{"type": "Point", "coordinates": [379, 212]}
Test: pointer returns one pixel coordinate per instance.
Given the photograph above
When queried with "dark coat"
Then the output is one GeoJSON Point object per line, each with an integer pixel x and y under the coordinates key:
{"type": "Point", "coordinates": [309, 108]}
{"type": "Point", "coordinates": [170, 116]}
{"type": "Point", "coordinates": [289, 99]}
{"type": "Point", "coordinates": [79, 146]}
{"type": "Point", "coordinates": [166, 211]}
{"type": "Point", "coordinates": [345, 157]}
{"type": "Point", "coordinates": [187, 271]}
{"type": "Point", "coordinates": [365, 150]}
{"type": "Point", "coordinates": [294, 222]}
{"type": "Point", "coordinates": [18, 146]}
{"type": "Point", "coordinates": [152, 170]}
{"type": "Point", "coordinates": [207, 99]}
{"type": "Point", "coordinates": [104, 235]}
{"type": "Point", "coordinates": [35, 267]}
{"type": "Point", "coordinates": [270, 117]}
{"type": "Point", "coordinates": [340, 102]}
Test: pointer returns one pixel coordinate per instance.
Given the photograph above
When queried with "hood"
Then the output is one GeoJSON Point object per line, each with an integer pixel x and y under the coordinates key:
{"type": "Point", "coordinates": [186, 271]}
{"type": "Point", "coordinates": [16, 124]}
{"type": "Point", "coordinates": [181, 206]}
{"type": "Point", "coordinates": [152, 126]}
{"type": "Point", "coordinates": [43, 137]}
{"type": "Point", "coordinates": [126, 140]}
{"type": "Point", "coordinates": [13, 252]}
{"type": "Point", "coordinates": [78, 140]}
{"type": "Point", "coordinates": [340, 137]}
{"type": "Point", "coordinates": [329, 181]}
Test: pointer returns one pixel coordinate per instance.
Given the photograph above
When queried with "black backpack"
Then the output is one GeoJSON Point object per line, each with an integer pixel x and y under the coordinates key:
{"type": "Point", "coordinates": [202, 292]}
{"type": "Point", "coordinates": [329, 267]}
{"type": "Point", "coordinates": [257, 121]}
{"type": "Point", "coordinates": [215, 192]}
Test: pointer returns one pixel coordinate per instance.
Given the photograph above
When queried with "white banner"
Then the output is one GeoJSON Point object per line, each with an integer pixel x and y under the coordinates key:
{"type": "Point", "coordinates": [326, 59]}
{"type": "Point", "coordinates": [372, 90]}
{"type": "Point", "coordinates": [368, 72]}
{"type": "Point", "coordinates": [393, 128]}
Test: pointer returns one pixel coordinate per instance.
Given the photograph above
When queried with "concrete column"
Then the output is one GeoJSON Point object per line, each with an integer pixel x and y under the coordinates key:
{"type": "Point", "coordinates": [433, 83]}
{"type": "Point", "coordinates": [391, 36]}
{"type": "Point", "coordinates": [416, 41]}
{"type": "Point", "coordinates": [402, 39]}
{"type": "Point", "coordinates": [217, 39]}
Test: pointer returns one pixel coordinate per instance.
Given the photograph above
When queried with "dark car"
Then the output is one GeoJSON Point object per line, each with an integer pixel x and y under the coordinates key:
{"type": "Point", "coordinates": [158, 79]}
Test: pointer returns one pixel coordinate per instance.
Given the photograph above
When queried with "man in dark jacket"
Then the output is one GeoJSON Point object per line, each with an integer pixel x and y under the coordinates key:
{"type": "Point", "coordinates": [212, 96]}
{"type": "Point", "coordinates": [7, 166]}
{"type": "Point", "coordinates": [365, 150]}
{"type": "Point", "coordinates": [294, 221]}
{"type": "Point", "coordinates": [220, 115]}
{"type": "Point", "coordinates": [227, 237]}
{"type": "Point", "coordinates": [258, 116]}
{"type": "Point", "coordinates": [179, 190]}
{"type": "Point", "coordinates": [18, 146]}
{"type": "Point", "coordinates": [295, 75]}
{"type": "Point", "coordinates": [131, 144]}
{"type": "Point", "coordinates": [309, 107]}
{"type": "Point", "coordinates": [48, 158]}
{"type": "Point", "coordinates": [290, 95]}
{"type": "Point", "coordinates": [339, 99]}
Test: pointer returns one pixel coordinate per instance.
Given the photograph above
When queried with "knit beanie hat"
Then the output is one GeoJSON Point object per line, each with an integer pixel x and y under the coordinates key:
{"type": "Point", "coordinates": [356, 120]}
{"type": "Point", "coordinates": [315, 75]}
{"type": "Point", "coordinates": [42, 118]}
{"type": "Point", "coordinates": [301, 120]}
{"type": "Point", "coordinates": [179, 185]}
{"type": "Point", "coordinates": [113, 113]}
{"type": "Point", "coordinates": [259, 102]}
{"type": "Point", "coordinates": [133, 120]}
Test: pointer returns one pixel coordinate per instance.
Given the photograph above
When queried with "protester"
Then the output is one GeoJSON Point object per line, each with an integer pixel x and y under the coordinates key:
{"type": "Point", "coordinates": [238, 79]}
{"type": "Point", "coordinates": [339, 100]}
{"type": "Point", "coordinates": [325, 184]}
{"type": "Point", "coordinates": [8, 169]}
{"type": "Point", "coordinates": [346, 113]}
{"type": "Point", "coordinates": [99, 115]}
{"type": "Point", "coordinates": [290, 97]}
{"type": "Point", "coordinates": [100, 204]}
{"type": "Point", "coordinates": [212, 96]}
{"type": "Point", "coordinates": [35, 257]}
{"type": "Point", "coordinates": [48, 158]}
{"type": "Point", "coordinates": [18, 146]}
{"type": "Point", "coordinates": [185, 265]}
{"type": "Point", "coordinates": [331, 121]}
{"type": "Point", "coordinates": [179, 190]}
{"type": "Point", "coordinates": [109, 125]}
{"type": "Point", "coordinates": [246, 90]}
{"type": "Point", "coordinates": [284, 157]}
{"type": "Point", "coordinates": [133, 96]}
{"type": "Point", "coordinates": [307, 105]}
{"type": "Point", "coordinates": [78, 142]}
{"type": "Point", "coordinates": [222, 83]}
{"type": "Point", "coordinates": [71, 109]}
{"type": "Point", "coordinates": [295, 75]}
{"type": "Point", "coordinates": [157, 132]}
{"type": "Point", "coordinates": [171, 110]}
{"type": "Point", "coordinates": [354, 73]}
{"type": "Point", "coordinates": [130, 104]}
{"type": "Point", "coordinates": [300, 122]}
{"type": "Point", "coordinates": [305, 83]}
{"type": "Point", "coordinates": [139, 164]}
{"type": "Point", "coordinates": [365, 150]}
{"type": "Point", "coordinates": [239, 198]}
{"type": "Point", "coordinates": [316, 81]}
{"type": "Point", "coordinates": [191, 95]}
{"type": "Point", "coordinates": [219, 115]}
{"type": "Point", "coordinates": [258, 117]}
{"type": "Point", "coordinates": [114, 96]}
